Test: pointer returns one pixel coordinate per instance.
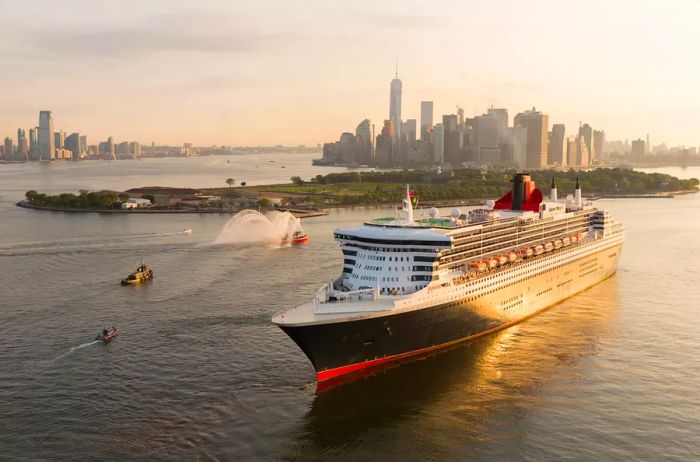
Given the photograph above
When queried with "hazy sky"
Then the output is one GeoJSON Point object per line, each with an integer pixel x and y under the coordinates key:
{"type": "Point", "coordinates": [289, 72]}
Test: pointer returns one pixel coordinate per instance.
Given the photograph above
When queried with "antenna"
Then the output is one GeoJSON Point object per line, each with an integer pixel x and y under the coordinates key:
{"type": "Point", "coordinates": [397, 68]}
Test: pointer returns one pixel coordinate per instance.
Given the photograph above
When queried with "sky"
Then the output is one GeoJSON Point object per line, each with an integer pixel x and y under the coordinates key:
{"type": "Point", "coordinates": [289, 72]}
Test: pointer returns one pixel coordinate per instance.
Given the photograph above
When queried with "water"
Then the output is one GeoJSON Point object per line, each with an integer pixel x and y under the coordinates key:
{"type": "Point", "coordinates": [199, 372]}
{"type": "Point", "coordinates": [251, 226]}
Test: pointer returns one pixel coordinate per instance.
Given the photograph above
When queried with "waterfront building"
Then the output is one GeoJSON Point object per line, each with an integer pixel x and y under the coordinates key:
{"type": "Point", "coordinates": [122, 149]}
{"type": "Point", "coordinates": [135, 149]}
{"type": "Point", "coordinates": [586, 132]}
{"type": "Point", "coordinates": [450, 122]}
{"type": "Point", "coordinates": [556, 154]}
{"type": "Point", "coordinates": [638, 148]}
{"type": "Point", "coordinates": [22, 144]}
{"type": "Point", "coordinates": [8, 149]}
{"type": "Point", "coordinates": [34, 143]}
{"type": "Point", "coordinates": [484, 140]}
{"type": "Point", "coordinates": [59, 139]}
{"type": "Point", "coordinates": [501, 115]}
{"type": "Point", "coordinates": [395, 109]}
{"type": "Point", "coordinates": [46, 140]}
{"type": "Point", "coordinates": [110, 147]}
{"type": "Point", "coordinates": [83, 145]}
{"type": "Point", "coordinates": [599, 145]}
{"type": "Point", "coordinates": [73, 145]}
{"type": "Point", "coordinates": [426, 120]}
{"type": "Point", "coordinates": [438, 136]}
{"type": "Point", "coordinates": [537, 124]}
{"type": "Point", "coordinates": [384, 147]}
{"type": "Point", "coordinates": [365, 150]}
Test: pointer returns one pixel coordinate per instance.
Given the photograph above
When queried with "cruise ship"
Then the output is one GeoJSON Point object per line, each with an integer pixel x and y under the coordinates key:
{"type": "Point", "coordinates": [413, 285]}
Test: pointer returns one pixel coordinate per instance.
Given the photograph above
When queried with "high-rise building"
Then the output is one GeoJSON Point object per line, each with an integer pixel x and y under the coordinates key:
{"type": "Point", "coordinates": [501, 115]}
{"type": "Point", "coordinates": [8, 148]}
{"type": "Point", "coordinates": [647, 146]}
{"type": "Point", "coordinates": [638, 148]}
{"type": "Point", "coordinates": [586, 132]}
{"type": "Point", "coordinates": [135, 149]}
{"type": "Point", "coordinates": [439, 144]}
{"type": "Point", "coordinates": [409, 130]}
{"type": "Point", "coordinates": [556, 154]}
{"type": "Point", "coordinates": [484, 139]}
{"type": "Point", "coordinates": [599, 145]}
{"type": "Point", "coordinates": [450, 122]}
{"type": "Point", "coordinates": [34, 143]}
{"type": "Point", "coordinates": [536, 124]}
{"type": "Point", "coordinates": [363, 132]}
{"type": "Point", "coordinates": [73, 145]}
{"type": "Point", "coordinates": [571, 151]}
{"type": "Point", "coordinates": [383, 152]}
{"type": "Point", "coordinates": [110, 146]}
{"type": "Point", "coordinates": [426, 120]}
{"type": "Point", "coordinates": [22, 144]}
{"type": "Point", "coordinates": [59, 139]}
{"type": "Point", "coordinates": [583, 156]}
{"type": "Point", "coordinates": [47, 147]}
{"type": "Point", "coordinates": [395, 109]}
{"type": "Point", "coordinates": [83, 145]}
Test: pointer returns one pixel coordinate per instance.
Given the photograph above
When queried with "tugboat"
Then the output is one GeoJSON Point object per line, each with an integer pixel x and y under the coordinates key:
{"type": "Point", "coordinates": [142, 273]}
{"type": "Point", "coordinates": [107, 335]}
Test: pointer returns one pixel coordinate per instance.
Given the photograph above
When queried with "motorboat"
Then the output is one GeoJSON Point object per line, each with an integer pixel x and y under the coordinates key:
{"type": "Point", "coordinates": [107, 335]}
{"type": "Point", "coordinates": [142, 273]}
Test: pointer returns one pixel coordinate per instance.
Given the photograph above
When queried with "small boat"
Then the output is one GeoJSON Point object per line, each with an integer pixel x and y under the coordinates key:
{"type": "Point", "coordinates": [186, 231]}
{"type": "Point", "coordinates": [477, 266]}
{"type": "Point", "coordinates": [142, 273]}
{"type": "Point", "coordinates": [107, 335]}
{"type": "Point", "coordinates": [548, 247]}
{"type": "Point", "coordinates": [512, 256]}
{"type": "Point", "coordinates": [557, 244]}
{"type": "Point", "coordinates": [539, 249]}
{"type": "Point", "coordinates": [566, 242]}
{"type": "Point", "coordinates": [493, 263]}
{"type": "Point", "coordinates": [299, 237]}
{"type": "Point", "coordinates": [529, 252]}
{"type": "Point", "coordinates": [502, 260]}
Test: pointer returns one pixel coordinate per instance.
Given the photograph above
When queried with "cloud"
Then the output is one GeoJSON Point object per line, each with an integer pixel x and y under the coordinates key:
{"type": "Point", "coordinates": [165, 33]}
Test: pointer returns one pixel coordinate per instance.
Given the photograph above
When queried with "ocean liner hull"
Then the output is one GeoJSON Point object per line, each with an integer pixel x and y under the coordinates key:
{"type": "Point", "coordinates": [470, 310]}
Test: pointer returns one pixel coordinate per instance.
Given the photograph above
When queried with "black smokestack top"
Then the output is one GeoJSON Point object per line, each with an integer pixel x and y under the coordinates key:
{"type": "Point", "coordinates": [553, 185]}
{"type": "Point", "coordinates": [577, 186]}
{"type": "Point", "coordinates": [519, 180]}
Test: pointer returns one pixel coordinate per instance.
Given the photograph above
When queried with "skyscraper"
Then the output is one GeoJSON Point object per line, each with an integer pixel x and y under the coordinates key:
{"type": "Point", "coordinates": [599, 144]}
{"type": "Point", "coordinates": [638, 148]}
{"type": "Point", "coordinates": [73, 145]}
{"type": "Point", "coordinates": [426, 120]}
{"type": "Point", "coordinates": [536, 124]}
{"type": "Point", "coordinates": [556, 154]}
{"type": "Point", "coordinates": [47, 147]}
{"type": "Point", "coordinates": [83, 145]}
{"type": "Point", "coordinates": [34, 143]}
{"type": "Point", "coordinates": [484, 139]}
{"type": "Point", "coordinates": [395, 109]}
{"type": "Point", "coordinates": [586, 132]}
{"type": "Point", "coordinates": [409, 130]}
{"type": "Point", "coordinates": [583, 156]}
{"type": "Point", "coordinates": [59, 139]}
{"type": "Point", "coordinates": [22, 144]}
{"type": "Point", "coordinates": [110, 146]}
{"type": "Point", "coordinates": [519, 146]}
{"type": "Point", "coordinates": [9, 151]}
{"type": "Point", "coordinates": [439, 144]}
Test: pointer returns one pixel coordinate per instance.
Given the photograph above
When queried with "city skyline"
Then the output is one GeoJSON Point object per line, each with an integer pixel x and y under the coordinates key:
{"type": "Point", "coordinates": [244, 75]}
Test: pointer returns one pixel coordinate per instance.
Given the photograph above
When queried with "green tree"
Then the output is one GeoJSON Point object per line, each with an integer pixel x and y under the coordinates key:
{"type": "Point", "coordinates": [31, 195]}
{"type": "Point", "coordinates": [264, 202]}
{"type": "Point", "coordinates": [230, 182]}
{"type": "Point", "coordinates": [297, 180]}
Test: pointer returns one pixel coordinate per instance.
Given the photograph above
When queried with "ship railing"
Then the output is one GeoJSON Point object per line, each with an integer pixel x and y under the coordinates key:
{"type": "Point", "coordinates": [326, 295]}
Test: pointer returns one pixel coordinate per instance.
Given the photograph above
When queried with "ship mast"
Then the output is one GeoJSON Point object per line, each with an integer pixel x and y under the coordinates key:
{"type": "Point", "coordinates": [408, 207]}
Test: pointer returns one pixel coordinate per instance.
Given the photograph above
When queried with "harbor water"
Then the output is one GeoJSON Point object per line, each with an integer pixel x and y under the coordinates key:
{"type": "Point", "coordinates": [198, 372]}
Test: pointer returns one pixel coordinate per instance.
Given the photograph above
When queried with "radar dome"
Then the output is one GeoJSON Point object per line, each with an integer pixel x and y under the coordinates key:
{"type": "Point", "coordinates": [490, 203]}
{"type": "Point", "coordinates": [432, 212]}
{"type": "Point", "coordinates": [455, 213]}
{"type": "Point", "coordinates": [569, 198]}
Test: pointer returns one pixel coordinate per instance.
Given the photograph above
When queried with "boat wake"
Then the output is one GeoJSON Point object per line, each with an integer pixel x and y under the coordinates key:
{"type": "Point", "coordinates": [251, 227]}
{"type": "Point", "coordinates": [75, 348]}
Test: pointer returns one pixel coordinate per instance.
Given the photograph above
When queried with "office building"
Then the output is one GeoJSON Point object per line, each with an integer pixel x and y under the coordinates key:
{"type": "Point", "coordinates": [519, 146]}
{"type": "Point", "coordinates": [537, 124]}
{"type": "Point", "coordinates": [638, 148]}
{"type": "Point", "coordinates": [47, 147]}
{"type": "Point", "coordinates": [484, 139]}
{"type": "Point", "coordinates": [556, 154]}
{"type": "Point", "coordinates": [8, 150]}
{"type": "Point", "coordinates": [438, 136]}
{"type": "Point", "coordinates": [73, 145]}
{"type": "Point", "coordinates": [83, 145]}
{"type": "Point", "coordinates": [22, 144]}
{"type": "Point", "coordinates": [395, 109]}
{"type": "Point", "coordinates": [135, 149]}
{"type": "Point", "coordinates": [586, 132]}
{"type": "Point", "coordinates": [583, 156]}
{"type": "Point", "coordinates": [571, 151]}
{"type": "Point", "coordinates": [409, 130]}
{"type": "Point", "coordinates": [599, 145]}
{"type": "Point", "coordinates": [34, 143]}
{"type": "Point", "coordinates": [59, 139]}
{"type": "Point", "coordinates": [426, 120]}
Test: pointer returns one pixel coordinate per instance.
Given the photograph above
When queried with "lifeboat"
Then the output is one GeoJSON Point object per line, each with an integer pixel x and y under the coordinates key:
{"type": "Point", "coordinates": [529, 252]}
{"type": "Point", "coordinates": [502, 260]}
{"type": "Point", "coordinates": [548, 247]}
{"type": "Point", "coordinates": [539, 249]}
{"type": "Point", "coordinates": [574, 239]}
{"type": "Point", "coordinates": [477, 266]}
{"type": "Point", "coordinates": [580, 236]}
{"type": "Point", "coordinates": [512, 257]}
{"type": "Point", "coordinates": [566, 242]}
{"type": "Point", "coordinates": [557, 244]}
{"type": "Point", "coordinates": [493, 263]}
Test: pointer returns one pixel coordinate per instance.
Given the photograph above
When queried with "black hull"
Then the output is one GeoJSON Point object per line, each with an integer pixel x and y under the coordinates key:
{"type": "Point", "coordinates": [339, 348]}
